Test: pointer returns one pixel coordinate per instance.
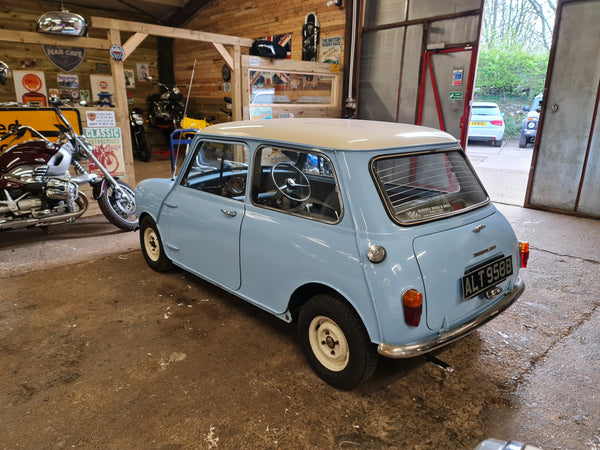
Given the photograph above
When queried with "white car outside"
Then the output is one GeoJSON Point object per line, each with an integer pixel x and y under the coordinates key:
{"type": "Point", "coordinates": [487, 123]}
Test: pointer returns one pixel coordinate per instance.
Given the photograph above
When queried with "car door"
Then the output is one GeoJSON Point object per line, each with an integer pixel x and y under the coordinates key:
{"type": "Point", "coordinates": [205, 212]}
{"type": "Point", "coordinates": [295, 231]}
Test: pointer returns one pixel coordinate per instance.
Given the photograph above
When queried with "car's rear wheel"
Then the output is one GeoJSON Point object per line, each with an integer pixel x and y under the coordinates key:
{"type": "Point", "coordinates": [497, 143]}
{"type": "Point", "coordinates": [335, 342]}
{"type": "Point", "coordinates": [152, 247]}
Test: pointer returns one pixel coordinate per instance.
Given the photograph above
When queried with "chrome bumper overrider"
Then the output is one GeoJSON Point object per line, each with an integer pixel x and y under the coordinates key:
{"type": "Point", "coordinates": [446, 337]}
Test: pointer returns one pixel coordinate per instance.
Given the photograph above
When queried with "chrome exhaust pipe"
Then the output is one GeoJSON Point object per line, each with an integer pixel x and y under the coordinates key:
{"type": "Point", "coordinates": [82, 201]}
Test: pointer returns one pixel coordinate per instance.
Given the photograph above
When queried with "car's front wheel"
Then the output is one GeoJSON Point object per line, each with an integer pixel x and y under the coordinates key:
{"type": "Point", "coordinates": [522, 141]}
{"type": "Point", "coordinates": [152, 247]}
{"type": "Point", "coordinates": [335, 342]}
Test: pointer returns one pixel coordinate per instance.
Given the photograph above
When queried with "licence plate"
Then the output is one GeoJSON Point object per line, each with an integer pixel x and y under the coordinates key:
{"type": "Point", "coordinates": [482, 278]}
{"type": "Point", "coordinates": [479, 124]}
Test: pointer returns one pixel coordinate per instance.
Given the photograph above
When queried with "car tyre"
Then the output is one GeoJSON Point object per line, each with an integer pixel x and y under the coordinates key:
{"type": "Point", "coordinates": [335, 342]}
{"type": "Point", "coordinates": [152, 247]}
{"type": "Point", "coordinates": [497, 143]}
{"type": "Point", "coordinates": [522, 141]}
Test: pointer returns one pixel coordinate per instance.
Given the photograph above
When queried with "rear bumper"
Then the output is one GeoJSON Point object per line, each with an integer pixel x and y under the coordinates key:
{"type": "Point", "coordinates": [446, 337]}
{"type": "Point", "coordinates": [485, 134]}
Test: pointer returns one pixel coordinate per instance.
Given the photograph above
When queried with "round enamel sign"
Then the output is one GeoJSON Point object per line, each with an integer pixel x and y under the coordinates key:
{"type": "Point", "coordinates": [117, 53]}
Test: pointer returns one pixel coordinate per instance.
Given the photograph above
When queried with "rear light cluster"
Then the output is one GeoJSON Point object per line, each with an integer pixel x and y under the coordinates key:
{"type": "Point", "coordinates": [498, 123]}
{"type": "Point", "coordinates": [412, 301]}
{"type": "Point", "coordinates": [524, 250]}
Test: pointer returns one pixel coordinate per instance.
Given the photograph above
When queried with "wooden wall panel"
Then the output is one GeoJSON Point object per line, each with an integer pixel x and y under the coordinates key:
{"type": "Point", "coordinates": [22, 15]}
{"type": "Point", "coordinates": [249, 19]}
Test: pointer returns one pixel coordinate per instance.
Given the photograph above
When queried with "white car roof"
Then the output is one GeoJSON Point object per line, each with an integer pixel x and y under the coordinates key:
{"type": "Point", "coordinates": [347, 134]}
{"type": "Point", "coordinates": [484, 104]}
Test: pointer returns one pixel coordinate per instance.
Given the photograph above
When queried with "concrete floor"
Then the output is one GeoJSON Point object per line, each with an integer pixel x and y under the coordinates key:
{"type": "Point", "coordinates": [530, 375]}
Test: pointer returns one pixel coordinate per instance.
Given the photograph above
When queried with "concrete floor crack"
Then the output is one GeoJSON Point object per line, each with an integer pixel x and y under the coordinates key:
{"type": "Point", "coordinates": [533, 362]}
{"type": "Point", "coordinates": [562, 255]}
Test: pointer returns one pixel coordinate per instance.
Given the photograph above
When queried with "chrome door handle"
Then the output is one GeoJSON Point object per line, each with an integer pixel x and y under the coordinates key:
{"type": "Point", "coordinates": [229, 213]}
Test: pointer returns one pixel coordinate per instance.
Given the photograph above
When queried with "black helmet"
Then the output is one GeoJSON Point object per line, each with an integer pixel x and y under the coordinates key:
{"type": "Point", "coordinates": [3, 72]}
{"type": "Point", "coordinates": [267, 49]}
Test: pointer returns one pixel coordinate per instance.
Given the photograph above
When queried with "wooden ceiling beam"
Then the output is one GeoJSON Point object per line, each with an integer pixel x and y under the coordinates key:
{"type": "Point", "coordinates": [175, 33]}
{"type": "Point", "coordinates": [132, 43]}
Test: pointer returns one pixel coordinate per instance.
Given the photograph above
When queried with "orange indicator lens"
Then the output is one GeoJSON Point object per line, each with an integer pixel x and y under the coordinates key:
{"type": "Point", "coordinates": [412, 300]}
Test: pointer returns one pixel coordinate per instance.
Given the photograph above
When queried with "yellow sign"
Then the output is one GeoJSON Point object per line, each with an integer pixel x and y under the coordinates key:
{"type": "Point", "coordinates": [335, 68]}
{"type": "Point", "coordinates": [43, 120]}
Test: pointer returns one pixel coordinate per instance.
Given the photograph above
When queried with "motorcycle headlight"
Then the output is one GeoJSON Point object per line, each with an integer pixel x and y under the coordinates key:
{"type": "Point", "coordinates": [176, 90]}
{"type": "Point", "coordinates": [137, 118]}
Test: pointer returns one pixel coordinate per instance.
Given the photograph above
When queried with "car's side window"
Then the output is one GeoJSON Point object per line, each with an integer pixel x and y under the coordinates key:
{"type": "Point", "coordinates": [220, 168]}
{"type": "Point", "coordinates": [296, 182]}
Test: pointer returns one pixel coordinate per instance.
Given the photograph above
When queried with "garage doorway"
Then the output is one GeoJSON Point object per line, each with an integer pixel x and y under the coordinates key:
{"type": "Point", "coordinates": [565, 174]}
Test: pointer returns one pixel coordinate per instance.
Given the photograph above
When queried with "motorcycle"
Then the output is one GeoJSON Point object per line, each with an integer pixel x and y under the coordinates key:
{"type": "Point", "coordinates": [139, 140]}
{"type": "Point", "coordinates": [165, 110]}
{"type": "Point", "coordinates": [37, 188]}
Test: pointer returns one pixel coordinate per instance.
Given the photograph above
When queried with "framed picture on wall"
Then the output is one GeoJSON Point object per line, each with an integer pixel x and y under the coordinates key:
{"type": "Point", "coordinates": [129, 79]}
{"type": "Point", "coordinates": [143, 71]}
{"type": "Point", "coordinates": [30, 87]}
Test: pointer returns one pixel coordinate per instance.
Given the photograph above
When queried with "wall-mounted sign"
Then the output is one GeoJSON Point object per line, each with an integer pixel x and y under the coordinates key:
{"type": "Point", "coordinates": [102, 90]}
{"type": "Point", "coordinates": [457, 77]}
{"type": "Point", "coordinates": [129, 79]}
{"type": "Point", "coordinates": [66, 59]}
{"type": "Point", "coordinates": [455, 96]}
{"type": "Point", "coordinates": [42, 119]}
{"type": "Point", "coordinates": [102, 68]}
{"type": "Point", "coordinates": [116, 52]}
{"type": "Point", "coordinates": [100, 119]}
{"type": "Point", "coordinates": [143, 71]}
{"type": "Point", "coordinates": [30, 87]}
{"type": "Point", "coordinates": [108, 149]}
{"type": "Point", "coordinates": [261, 112]}
{"type": "Point", "coordinates": [331, 50]}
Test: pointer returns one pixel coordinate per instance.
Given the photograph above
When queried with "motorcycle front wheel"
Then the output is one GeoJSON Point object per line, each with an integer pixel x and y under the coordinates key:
{"type": "Point", "coordinates": [119, 209]}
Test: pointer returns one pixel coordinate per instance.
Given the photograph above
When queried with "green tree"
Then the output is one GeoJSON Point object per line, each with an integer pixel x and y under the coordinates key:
{"type": "Point", "coordinates": [511, 72]}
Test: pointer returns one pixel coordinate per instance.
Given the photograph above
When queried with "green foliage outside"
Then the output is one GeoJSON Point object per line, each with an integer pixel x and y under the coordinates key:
{"type": "Point", "coordinates": [511, 78]}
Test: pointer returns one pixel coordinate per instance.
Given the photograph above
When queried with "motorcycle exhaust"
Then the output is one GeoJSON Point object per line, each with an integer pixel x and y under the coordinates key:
{"type": "Point", "coordinates": [82, 201]}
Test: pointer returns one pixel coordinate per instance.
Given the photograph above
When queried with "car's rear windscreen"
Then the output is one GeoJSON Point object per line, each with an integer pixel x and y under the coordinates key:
{"type": "Point", "coordinates": [485, 111]}
{"type": "Point", "coordinates": [427, 186]}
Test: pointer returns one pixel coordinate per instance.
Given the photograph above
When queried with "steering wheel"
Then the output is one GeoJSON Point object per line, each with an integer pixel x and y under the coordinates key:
{"type": "Point", "coordinates": [289, 187]}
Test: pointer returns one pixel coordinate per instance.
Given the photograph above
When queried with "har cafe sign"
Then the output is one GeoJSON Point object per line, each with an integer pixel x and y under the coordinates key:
{"type": "Point", "coordinates": [65, 58]}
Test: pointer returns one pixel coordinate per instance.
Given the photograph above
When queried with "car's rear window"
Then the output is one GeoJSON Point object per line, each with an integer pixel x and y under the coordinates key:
{"type": "Point", "coordinates": [426, 186]}
{"type": "Point", "coordinates": [485, 111]}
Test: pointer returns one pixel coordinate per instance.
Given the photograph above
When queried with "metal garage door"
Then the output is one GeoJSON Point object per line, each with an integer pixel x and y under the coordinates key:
{"type": "Point", "coordinates": [417, 61]}
{"type": "Point", "coordinates": [566, 158]}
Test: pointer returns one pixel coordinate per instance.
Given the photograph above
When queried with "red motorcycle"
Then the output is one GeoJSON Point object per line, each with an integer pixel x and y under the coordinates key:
{"type": "Point", "coordinates": [40, 179]}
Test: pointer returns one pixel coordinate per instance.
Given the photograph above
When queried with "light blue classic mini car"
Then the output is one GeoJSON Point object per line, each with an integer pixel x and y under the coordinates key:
{"type": "Point", "coordinates": [374, 237]}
